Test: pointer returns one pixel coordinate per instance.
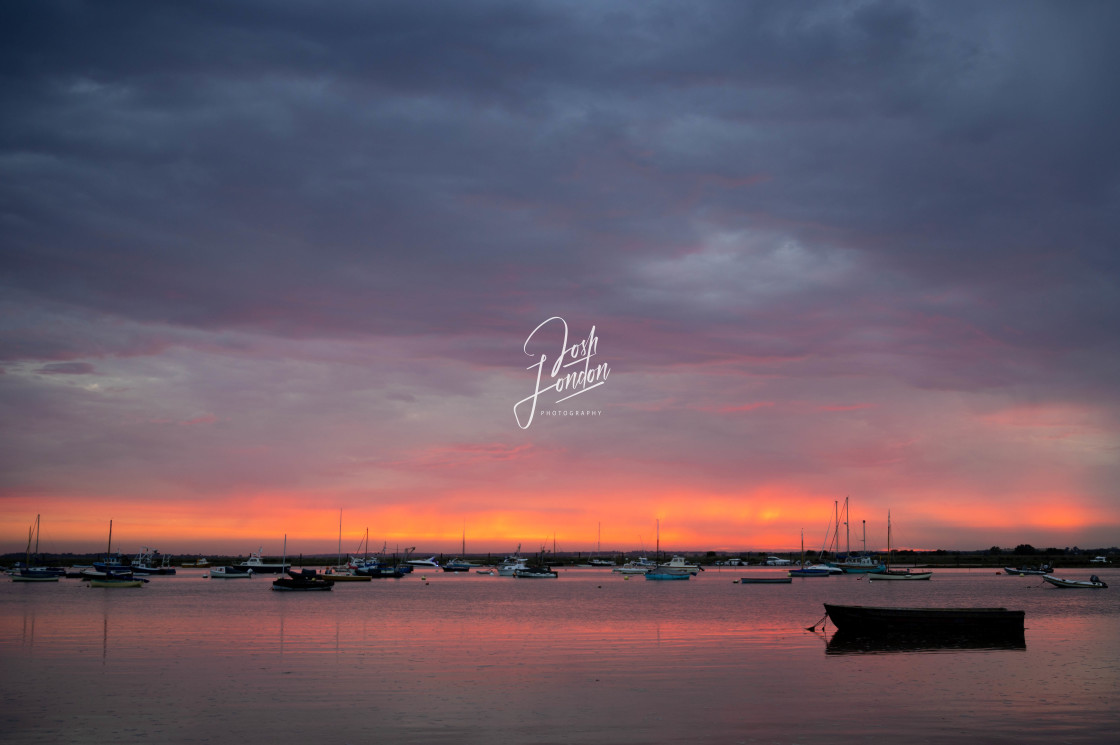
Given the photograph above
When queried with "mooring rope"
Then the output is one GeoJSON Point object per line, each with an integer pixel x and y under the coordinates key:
{"type": "Point", "coordinates": [818, 623]}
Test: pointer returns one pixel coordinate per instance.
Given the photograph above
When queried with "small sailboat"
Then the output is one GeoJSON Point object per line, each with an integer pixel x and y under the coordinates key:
{"type": "Point", "coordinates": [807, 571]}
{"type": "Point", "coordinates": [671, 571]}
{"type": "Point", "coordinates": [895, 574]}
{"type": "Point", "coordinates": [30, 573]}
{"type": "Point", "coordinates": [113, 566]}
{"type": "Point", "coordinates": [301, 582]}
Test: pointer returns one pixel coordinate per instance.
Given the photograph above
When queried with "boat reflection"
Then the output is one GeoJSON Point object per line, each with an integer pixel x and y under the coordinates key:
{"type": "Point", "coordinates": [846, 642]}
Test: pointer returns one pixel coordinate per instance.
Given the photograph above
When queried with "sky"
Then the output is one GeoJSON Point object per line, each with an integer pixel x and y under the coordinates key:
{"type": "Point", "coordinates": [280, 271]}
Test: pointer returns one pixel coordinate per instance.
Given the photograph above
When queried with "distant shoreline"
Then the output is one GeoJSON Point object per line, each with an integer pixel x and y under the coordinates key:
{"type": "Point", "coordinates": [752, 559]}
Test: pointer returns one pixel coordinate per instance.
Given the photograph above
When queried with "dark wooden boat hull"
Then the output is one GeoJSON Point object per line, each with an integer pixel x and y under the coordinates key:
{"type": "Point", "coordinates": [766, 580]}
{"type": "Point", "coordinates": [301, 584]}
{"type": "Point", "coordinates": [873, 619]}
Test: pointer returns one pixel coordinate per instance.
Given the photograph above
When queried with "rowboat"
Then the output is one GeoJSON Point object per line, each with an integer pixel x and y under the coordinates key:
{"type": "Point", "coordinates": [1028, 571]}
{"type": "Point", "coordinates": [764, 580]}
{"type": "Point", "coordinates": [1093, 583]}
{"type": "Point", "coordinates": [877, 619]}
{"type": "Point", "coordinates": [112, 582]}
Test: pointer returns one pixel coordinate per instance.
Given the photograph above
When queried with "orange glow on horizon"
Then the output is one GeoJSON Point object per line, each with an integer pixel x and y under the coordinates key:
{"type": "Point", "coordinates": [769, 519]}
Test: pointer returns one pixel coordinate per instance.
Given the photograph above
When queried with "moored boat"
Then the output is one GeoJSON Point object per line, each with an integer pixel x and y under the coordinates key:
{"type": "Point", "coordinates": [257, 563]}
{"type": "Point", "coordinates": [764, 580]}
{"type": "Point", "coordinates": [36, 574]}
{"type": "Point", "coordinates": [678, 564]}
{"type": "Point", "coordinates": [641, 565]}
{"type": "Point", "coordinates": [661, 574]}
{"type": "Point", "coordinates": [151, 561]}
{"type": "Point", "coordinates": [898, 574]}
{"type": "Point", "coordinates": [1093, 583]}
{"type": "Point", "coordinates": [895, 574]}
{"type": "Point", "coordinates": [511, 563]}
{"type": "Point", "coordinates": [539, 568]}
{"type": "Point", "coordinates": [376, 570]}
{"type": "Point", "coordinates": [863, 564]}
{"type": "Point", "coordinates": [229, 573]}
{"type": "Point", "coordinates": [117, 582]}
{"type": "Point", "coordinates": [301, 583]}
{"type": "Point", "coordinates": [1029, 571]}
{"type": "Point", "coordinates": [810, 572]}
{"type": "Point", "coordinates": [874, 619]}
{"type": "Point", "coordinates": [337, 575]}
{"type": "Point", "coordinates": [458, 565]}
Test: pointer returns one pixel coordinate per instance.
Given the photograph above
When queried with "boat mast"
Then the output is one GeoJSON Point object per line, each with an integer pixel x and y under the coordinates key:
{"type": "Point", "coordinates": [339, 537]}
{"type": "Point", "coordinates": [27, 561]}
{"type": "Point", "coordinates": [836, 526]}
{"type": "Point", "coordinates": [888, 540]}
{"type": "Point", "coordinates": [847, 530]}
{"type": "Point", "coordinates": [109, 550]}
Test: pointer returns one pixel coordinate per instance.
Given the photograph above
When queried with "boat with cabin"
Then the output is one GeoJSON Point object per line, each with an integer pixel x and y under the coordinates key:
{"type": "Point", "coordinates": [229, 573]}
{"type": "Point", "coordinates": [537, 568]}
{"type": "Point", "coordinates": [257, 563]}
{"type": "Point", "coordinates": [151, 561]}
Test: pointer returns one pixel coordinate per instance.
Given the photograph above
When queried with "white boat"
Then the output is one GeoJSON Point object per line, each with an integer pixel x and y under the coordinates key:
{"type": "Point", "coordinates": [678, 564]}
{"type": "Point", "coordinates": [229, 573]}
{"type": "Point", "coordinates": [428, 562]}
{"type": "Point", "coordinates": [640, 565]}
{"type": "Point", "coordinates": [511, 563]}
{"type": "Point", "coordinates": [1093, 583]}
{"type": "Point", "coordinates": [1099, 560]}
{"type": "Point", "coordinates": [260, 566]}
{"type": "Point", "coordinates": [774, 561]}
{"type": "Point", "coordinates": [896, 574]}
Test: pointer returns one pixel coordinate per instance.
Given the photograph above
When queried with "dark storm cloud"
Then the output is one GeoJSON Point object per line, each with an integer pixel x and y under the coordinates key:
{"type": "Point", "coordinates": [313, 170]}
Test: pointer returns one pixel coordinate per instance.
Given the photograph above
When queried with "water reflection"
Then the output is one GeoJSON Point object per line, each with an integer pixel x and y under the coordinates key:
{"type": "Point", "coordinates": [846, 642]}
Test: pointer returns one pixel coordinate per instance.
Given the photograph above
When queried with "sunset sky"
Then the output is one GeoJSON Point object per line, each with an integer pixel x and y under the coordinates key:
{"type": "Point", "coordinates": [265, 261]}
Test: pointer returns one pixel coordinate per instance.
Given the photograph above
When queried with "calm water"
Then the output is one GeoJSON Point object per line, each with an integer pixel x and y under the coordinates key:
{"type": "Point", "coordinates": [587, 658]}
